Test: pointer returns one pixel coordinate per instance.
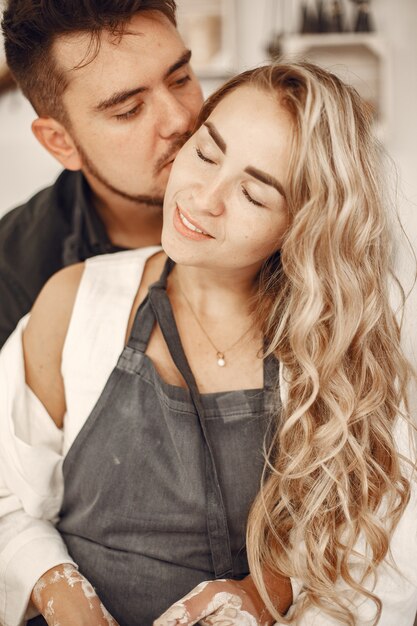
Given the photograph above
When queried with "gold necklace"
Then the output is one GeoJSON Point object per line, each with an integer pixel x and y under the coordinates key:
{"type": "Point", "coordinates": [220, 354]}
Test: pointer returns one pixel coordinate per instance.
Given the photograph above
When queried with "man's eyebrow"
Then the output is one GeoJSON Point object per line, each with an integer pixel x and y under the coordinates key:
{"type": "Point", "coordinates": [215, 135]}
{"type": "Point", "coordinates": [118, 98]}
{"type": "Point", "coordinates": [266, 178]}
{"type": "Point", "coordinates": [183, 60]}
{"type": "Point", "coordinates": [121, 96]}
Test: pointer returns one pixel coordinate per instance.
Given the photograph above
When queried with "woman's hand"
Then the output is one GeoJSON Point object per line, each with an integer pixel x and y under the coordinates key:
{"type": "Point", "coordinates": [65, 598]}
{"type": "Point", "coordinates": [219, 602]}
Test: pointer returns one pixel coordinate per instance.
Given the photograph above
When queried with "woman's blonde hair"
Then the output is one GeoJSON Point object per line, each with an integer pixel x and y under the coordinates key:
{"type": "Point", "coordinates": [325, 312]}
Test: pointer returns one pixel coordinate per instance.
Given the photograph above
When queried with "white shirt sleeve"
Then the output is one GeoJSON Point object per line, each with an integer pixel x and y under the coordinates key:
{"type": "Point", "coordinates": [31, 487]}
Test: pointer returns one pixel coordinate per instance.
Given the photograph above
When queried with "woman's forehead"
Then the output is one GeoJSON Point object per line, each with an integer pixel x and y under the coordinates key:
{"type": "Point", "coordinates": [253, 124]}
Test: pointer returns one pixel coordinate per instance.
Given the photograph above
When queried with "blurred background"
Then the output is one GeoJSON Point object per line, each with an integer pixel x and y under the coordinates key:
{"type": "Point", "coordinates": [372, 44]}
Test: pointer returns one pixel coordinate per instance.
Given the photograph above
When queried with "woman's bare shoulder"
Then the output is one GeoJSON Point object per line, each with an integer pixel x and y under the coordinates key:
{"type": "Point", "coordinates": [53, 307]}
{"type": "Point", "coordinates": [44, 338]}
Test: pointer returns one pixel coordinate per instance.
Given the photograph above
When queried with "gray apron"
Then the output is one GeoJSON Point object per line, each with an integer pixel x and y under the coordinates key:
{"type": "Point", "coordinates": [160, 479]}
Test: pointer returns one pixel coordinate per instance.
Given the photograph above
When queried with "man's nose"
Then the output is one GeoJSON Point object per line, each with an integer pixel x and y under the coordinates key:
{"type": "Point", "coordinates": [174, 119]}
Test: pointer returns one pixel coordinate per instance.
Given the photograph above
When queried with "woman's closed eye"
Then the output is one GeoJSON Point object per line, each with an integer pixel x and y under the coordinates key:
{"type": "Point", "coordinates": [250, 199]}
{"type": "Point", "coordinates": [247, 195]}
{"type": "Point", "coordinates": [203, 157]}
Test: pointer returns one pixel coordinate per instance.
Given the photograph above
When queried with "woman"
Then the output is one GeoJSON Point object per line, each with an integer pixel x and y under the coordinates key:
{"type": "Point", "coordinates": [273, 218]}
{"type": "Point", "coordinates": [334, 487]}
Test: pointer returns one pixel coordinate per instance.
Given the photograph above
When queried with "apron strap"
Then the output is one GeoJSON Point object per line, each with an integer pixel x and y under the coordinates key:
{"type": "Point", "coordinates": [216, 513]}
{"type": "Point", "coordinates": [145, 319]}
{"type": "Point", "coordinates": [271, 373]}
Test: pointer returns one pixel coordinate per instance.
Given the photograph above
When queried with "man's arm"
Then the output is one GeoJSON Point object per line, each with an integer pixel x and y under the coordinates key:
{"type": "Point", "coordinates": [28, 548]}
{"type": "Point", "coordinates": [31, 416]}
{"type": "Point", "coordinates": [30, 486]}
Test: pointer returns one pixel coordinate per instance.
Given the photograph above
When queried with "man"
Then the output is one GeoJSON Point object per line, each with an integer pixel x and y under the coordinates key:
{"type": "Point", "coordinates": [115, 97]}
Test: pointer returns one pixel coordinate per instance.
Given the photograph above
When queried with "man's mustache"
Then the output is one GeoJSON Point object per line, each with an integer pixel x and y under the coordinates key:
{"type": "Point", "coordinates": [172, 151]}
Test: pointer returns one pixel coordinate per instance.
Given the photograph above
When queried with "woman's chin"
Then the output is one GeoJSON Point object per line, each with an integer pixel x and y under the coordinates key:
{"type": "Point", "coordinates": [173, 249]}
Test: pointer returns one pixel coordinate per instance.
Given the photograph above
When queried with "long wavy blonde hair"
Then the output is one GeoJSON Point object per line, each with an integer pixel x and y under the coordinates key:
{"type": "Point", "coordinates": [325, 312]}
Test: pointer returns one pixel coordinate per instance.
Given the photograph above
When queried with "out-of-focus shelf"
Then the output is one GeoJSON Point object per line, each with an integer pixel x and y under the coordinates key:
{"type": "Point", "coordinates": [209, 29]}
{"type": "Point", "coordinates": [373, 41]}
{"type": "Point", "coordinates": [361, 59]}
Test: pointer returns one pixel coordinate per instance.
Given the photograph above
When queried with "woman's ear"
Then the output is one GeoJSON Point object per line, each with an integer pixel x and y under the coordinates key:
{"type": "Point", "coordinates": [56, 139]}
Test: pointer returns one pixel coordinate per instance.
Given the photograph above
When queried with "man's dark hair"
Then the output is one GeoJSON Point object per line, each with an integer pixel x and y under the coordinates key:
{"type": "Point", "coordinates": [30, 28]}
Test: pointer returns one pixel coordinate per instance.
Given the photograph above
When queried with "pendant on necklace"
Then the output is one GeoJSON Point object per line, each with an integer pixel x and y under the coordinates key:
{"type": "Point", "coordinates": [220, 359]}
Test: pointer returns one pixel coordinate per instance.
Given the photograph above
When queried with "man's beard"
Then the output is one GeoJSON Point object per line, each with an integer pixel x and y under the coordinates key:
{"type": "Point", "coordinates": [150, 200]}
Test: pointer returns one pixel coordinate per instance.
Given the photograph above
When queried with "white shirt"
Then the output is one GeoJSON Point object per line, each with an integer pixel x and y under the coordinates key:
{"type": "Point", "coordinates": [32, 449]}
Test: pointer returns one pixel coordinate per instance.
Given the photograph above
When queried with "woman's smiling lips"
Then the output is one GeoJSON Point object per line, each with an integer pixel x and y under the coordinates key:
{"type": "Point", "coordinates": [188, 228]}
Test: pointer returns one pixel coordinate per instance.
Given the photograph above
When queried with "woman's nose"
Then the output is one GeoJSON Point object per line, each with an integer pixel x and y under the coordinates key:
{"type": "Point", "coordinates": [211, 197]}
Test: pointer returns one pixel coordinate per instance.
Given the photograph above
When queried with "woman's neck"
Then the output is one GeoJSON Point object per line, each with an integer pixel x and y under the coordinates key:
{"type": "Point", "coordinates": [213, 311]}
{"type": "Point", "coordinates": [214, 292]}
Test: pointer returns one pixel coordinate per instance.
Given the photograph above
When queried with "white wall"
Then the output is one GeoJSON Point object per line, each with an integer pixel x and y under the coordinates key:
{"type": "Point", "coordinates": [398, 21]}
{"type": "Point", "coordinates": [25, 166]}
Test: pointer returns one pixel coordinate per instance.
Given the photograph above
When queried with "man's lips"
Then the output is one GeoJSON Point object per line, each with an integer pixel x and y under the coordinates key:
{"type": "Point", "coordinates": [169, 162]}
{"type": "Point", "coordinates": [172, 152]}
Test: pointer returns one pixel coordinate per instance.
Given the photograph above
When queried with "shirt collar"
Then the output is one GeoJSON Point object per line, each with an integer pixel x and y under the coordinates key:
{"type": "Point", "coordinates": [88, 236]}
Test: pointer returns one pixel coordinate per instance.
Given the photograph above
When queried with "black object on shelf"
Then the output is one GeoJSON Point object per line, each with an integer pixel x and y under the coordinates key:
{"type": "Point", "coordinates": [364, 21]}
{"type": "Point", "coordinates": [323, 22]}
{"type": "Point", "coordinates": [336, 22]}
{"type": "Point", "coordinates": [309, 23]}
{"type": "Point", "coordinates": [274, 47]}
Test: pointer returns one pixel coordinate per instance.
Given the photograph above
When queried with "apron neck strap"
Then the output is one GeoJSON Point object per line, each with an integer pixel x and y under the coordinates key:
{"type": "Point", "coordinates": [145, 319]}
{"type": "Point", "coordinates": [217, 527]}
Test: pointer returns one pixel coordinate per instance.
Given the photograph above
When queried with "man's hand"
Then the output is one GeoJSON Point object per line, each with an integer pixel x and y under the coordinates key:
{"type": "Point", "coordinates": [65, 598]}
{"type": "Point", "coordinates": [231, 602]}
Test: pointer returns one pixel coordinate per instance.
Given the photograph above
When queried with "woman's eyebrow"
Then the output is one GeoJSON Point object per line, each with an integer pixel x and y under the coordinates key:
{"type": "Point", "coordinates": [215, 135]}
{"type": "Point", "coordinates": [252, 171]}
{"type": "Point", "coordinates": [265, 178]}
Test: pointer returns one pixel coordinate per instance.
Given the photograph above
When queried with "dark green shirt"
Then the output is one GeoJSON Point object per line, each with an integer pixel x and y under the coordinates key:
{"type": "Point", "coordinates": [55, 228]}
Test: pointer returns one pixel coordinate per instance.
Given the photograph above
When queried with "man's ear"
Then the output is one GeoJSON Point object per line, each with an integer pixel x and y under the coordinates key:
{"type": "Point", "coordinates": [56, 139]}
